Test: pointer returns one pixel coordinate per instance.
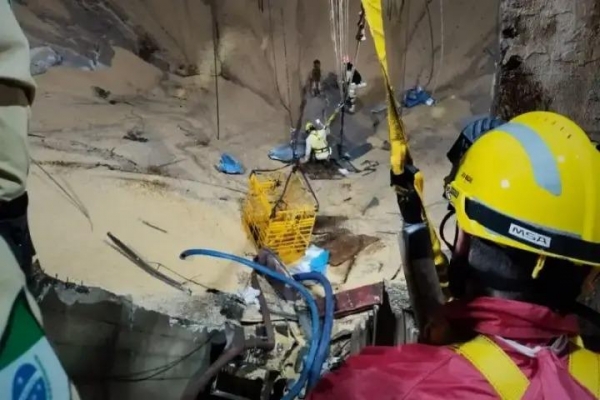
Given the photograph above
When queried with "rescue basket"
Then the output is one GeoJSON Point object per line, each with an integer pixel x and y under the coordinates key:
{"type": "Point", "coordinates": [279, 212]}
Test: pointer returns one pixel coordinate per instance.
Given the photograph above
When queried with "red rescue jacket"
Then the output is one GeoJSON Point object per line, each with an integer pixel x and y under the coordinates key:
{"type": "Point", "coordinates": [426, 372]}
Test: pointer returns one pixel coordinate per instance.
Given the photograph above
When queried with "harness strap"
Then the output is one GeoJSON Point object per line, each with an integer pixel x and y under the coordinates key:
{"type": "Point", "coordinates": [510, 382]}
{"type": "Point", "coordinates": [584, 366]}
{"type": "Point", "coordinates": [496, 366]}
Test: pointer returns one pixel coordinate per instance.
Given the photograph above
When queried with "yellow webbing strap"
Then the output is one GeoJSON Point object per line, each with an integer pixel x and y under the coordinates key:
{"type": "Point", "coordinates": [496, 367]}
{"type": "Point", "coordinates": [399, 152]}
{"type": "Point", "coordinates": [584, 366]}
{"type": "Point", "coordinates": [508, 380]}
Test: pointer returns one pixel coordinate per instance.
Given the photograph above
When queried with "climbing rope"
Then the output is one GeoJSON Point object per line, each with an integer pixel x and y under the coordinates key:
{"type": "Point", "coordinates": [215, 32]}
{"type": "Point", "coordinates": [287, 67]}
{"type": "Point", "coordinates": [338, 16]}
{"type": "Point", "coordinates": [437, 75]}
{"type": "Point", "coordinates": [405, 54]}
{"type": "Point", "coordinates": [431, 44]}
{"type": "Point", "coordinates": [394, 9]}
{"type": "Point", "coordinates": [286, 106]}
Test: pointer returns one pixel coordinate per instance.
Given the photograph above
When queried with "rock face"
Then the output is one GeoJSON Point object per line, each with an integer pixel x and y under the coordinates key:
{"type": "Point", "coordinates": [549, 60]}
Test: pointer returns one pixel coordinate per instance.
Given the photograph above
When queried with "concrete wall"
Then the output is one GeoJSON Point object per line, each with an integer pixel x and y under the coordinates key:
{"type": "Point", "coordinates": [549, 59]}
{"type": "Point", "coordinates": [103, 340]}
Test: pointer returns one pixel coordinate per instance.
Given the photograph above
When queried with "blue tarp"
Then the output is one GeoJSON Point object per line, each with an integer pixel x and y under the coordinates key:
{"type": "Point", "coordinates": [285, 154]}
{"type": "Point", "coordinates": [229, 165]}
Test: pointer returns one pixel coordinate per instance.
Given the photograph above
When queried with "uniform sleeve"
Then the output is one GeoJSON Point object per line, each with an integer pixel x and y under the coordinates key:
{"type": "Point", "coordinates": [25, 353]}
{"type": "Point", "coordinates": [410, 372]}
{"type": "Point", "coordinates": [14, 52]}
{"type": "Point", "coordinates": [17, 91]}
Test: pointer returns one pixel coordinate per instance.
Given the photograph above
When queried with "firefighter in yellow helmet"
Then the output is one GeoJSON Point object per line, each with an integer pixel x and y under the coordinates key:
{"type": "Point", "coordinates": [28, 366]}
{"type": "Point", "coordinates": [527, 200]}
{"type": "Point", "coordinates": [317, 145]}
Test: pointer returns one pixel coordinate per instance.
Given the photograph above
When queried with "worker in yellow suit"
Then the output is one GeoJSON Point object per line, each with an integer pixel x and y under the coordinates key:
{"type": "Point", "coordinates": [317, 145]}
{"type": "Point", "coordinates": [29, 367]}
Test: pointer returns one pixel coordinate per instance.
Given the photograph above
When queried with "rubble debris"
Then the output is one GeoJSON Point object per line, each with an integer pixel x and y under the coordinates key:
{"type": "Point", "coordinates": [343, 245]}
{"type": "Point", "coordinates": [153, 226]}
{"type": "Point", "coordinates": [135, 135]}
{"type": "Point", "coordinates": [235, 347]}
{"type": "Point", "coordinates": [369, 167]}
{"type": "Point", "coordinates": [147, 46]}
{"type": "Point", "coordinates": [386, 146]}
{"type": "Point", "coordinates": [137, 260]}
{"type": "Point", "coordinates": [327, 170]}
{"type": "Point", "coordinates": [249, 295]}
{"type": "Point", "coordinates": [100, 92]}
{"type": "Point", "coordinates": [374, 202]}
{"type": "Point", "coordinates": [328, 223]}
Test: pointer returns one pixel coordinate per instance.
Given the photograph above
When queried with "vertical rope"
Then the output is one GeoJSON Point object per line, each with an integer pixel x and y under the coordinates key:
{"type": "Point", "coordinates": [287, 67]}
{"type": "Point", "coordinates": [216, 56]}
{"type": "Point", "coordinates": [405, 51]}
{"type": "Point", "coordinates": [437, 75]}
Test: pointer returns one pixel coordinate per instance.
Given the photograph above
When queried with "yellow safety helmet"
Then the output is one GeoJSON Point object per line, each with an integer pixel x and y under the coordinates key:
{"type": "Point", "coordinates": [309, 126]}
{"type": "Point", "coordinates": [532, 184]}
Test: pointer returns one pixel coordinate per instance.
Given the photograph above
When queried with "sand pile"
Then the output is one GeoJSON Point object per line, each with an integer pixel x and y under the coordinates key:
{"type": "Point", "coordinates": [137, 158]}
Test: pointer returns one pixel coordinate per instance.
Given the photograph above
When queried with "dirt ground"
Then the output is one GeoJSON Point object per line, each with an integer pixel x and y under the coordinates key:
{"type": "Point", "coordinates": [137, 158]}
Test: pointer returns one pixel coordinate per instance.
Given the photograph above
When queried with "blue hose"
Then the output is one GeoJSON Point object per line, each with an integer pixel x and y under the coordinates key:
{"type": "Point", "coordinates": [310, 301]}
{"type": "Point", "coordinates": [323, 350]}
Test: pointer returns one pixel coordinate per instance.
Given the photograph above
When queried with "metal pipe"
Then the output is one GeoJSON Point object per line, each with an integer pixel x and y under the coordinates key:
{"type": "Point", "coordinates": [237, 346]}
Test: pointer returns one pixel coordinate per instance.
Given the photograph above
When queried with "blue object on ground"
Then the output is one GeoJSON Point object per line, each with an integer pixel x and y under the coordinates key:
{"type": "Point", "coordinates": [310, 301]}
{"type": "Point", "coordinates": [323, 349]}
{"type": "Point", "coordinates": [229, 165]}
{"type": "Point", "coordinates": [284, 153]}
{"type": "Point", "coordinates": [315, 259]}
{"type": "Point", "coordinates": [417, 96]}
{"type": "Point", "coordinates": [320, 260]}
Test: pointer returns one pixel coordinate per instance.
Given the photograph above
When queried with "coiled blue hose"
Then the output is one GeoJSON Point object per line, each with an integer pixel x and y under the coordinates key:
{"type": "Point", "coordinates": [310, 301]}
{"type": "Point", "coordinates": [323, 350]}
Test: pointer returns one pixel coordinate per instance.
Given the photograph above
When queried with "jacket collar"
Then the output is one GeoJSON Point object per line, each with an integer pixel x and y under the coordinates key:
{"type": "Point", "coordinates": [510, 319]}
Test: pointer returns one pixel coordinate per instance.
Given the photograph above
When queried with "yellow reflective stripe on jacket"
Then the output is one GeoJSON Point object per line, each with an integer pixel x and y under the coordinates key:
{"type": "Point", "coordinates": [496, 366]}
{"type": "Point", "coordinates": [317, 142]}
{"type": "Point", "coordinates": [584, 366]}
{"type": "Point", "coordinates": [510, 382]}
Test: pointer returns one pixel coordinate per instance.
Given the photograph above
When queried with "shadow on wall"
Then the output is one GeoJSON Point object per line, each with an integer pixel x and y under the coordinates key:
{"type": "Point", "coordinates": [113, 350]}
{"type": "Point", "coordinates": [268, 50]}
